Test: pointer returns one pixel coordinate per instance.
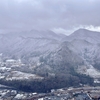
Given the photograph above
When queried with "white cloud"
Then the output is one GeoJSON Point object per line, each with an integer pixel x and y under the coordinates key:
{"type": "Point", "coordinates": [93, 28]}
{"type": "Point", "coordinates": [63, 16]}
{"type": "Point", "coordinates": [70, 31]}
{"type": "Point", "coordinates": [61, 31]}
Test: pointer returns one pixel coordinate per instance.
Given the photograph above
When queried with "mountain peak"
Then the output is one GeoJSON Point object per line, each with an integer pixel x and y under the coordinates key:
{"type": "Point", "coordinates": [82, 31]}
{"type": "Point", "coordinates": [85, 33]}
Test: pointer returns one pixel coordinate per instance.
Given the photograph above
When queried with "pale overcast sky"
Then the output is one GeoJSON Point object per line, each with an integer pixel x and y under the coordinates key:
{"type": "Point", "coordinates": [61, 16]}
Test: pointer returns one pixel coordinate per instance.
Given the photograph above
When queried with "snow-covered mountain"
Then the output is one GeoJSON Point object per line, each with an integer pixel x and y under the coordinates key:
{"type": "Point", "coordinates": [57, 51]}
{"type": "Point", "coordinates": [28, 42]}
{"type": "Point", "coordinates": [84, 34]}
{"type": "Point", "coordinates": [84, 43]}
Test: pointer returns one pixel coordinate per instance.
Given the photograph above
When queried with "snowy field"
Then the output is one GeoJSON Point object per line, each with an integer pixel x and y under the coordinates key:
{"type": "Point", "coordinates": [93, 72]}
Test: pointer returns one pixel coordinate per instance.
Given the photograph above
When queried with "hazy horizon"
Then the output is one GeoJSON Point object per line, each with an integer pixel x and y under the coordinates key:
{"type": "Point", "coordinates": [60, 16]}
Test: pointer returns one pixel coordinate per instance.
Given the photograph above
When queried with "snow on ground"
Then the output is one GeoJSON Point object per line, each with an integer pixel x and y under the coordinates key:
{"type": "Point", "coordinates": [20, 96]}
{"type": "Point", "coordinates": [40, 99]}
{"type": "Point", "coordinates": [9, 74]}
{"type": "Point", "coordinates": [4, 68]}
{"type": "Point", "coordinates": [92, 72]}
{"type": "Point", "coordinates": [17, 75]}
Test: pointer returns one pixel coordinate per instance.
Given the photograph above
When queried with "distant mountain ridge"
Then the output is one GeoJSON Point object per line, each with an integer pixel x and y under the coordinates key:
{"type": "Point", "coordinates": [84, 34]}
{"type": "Point", "coordinates": [80, 48]}
{"type": "Point", "coordinates": [27, 42]}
